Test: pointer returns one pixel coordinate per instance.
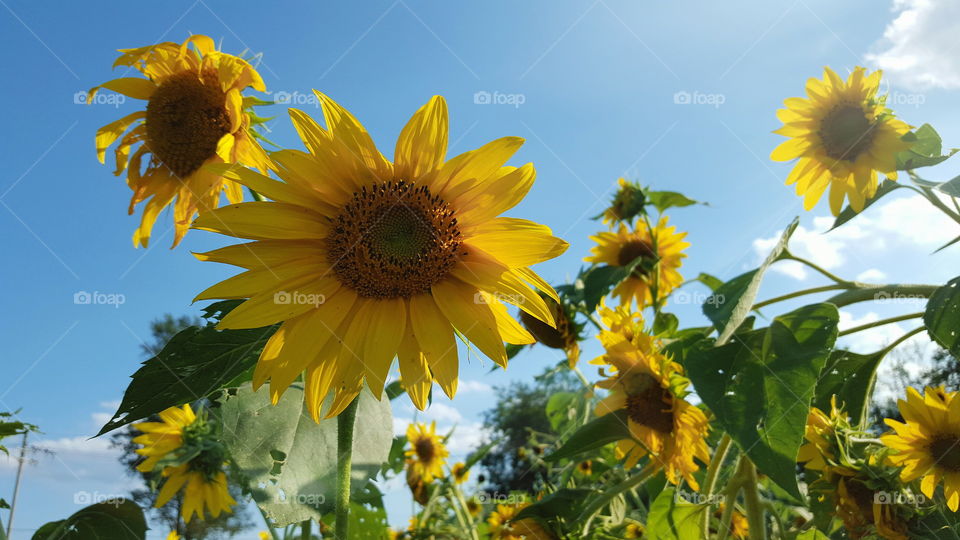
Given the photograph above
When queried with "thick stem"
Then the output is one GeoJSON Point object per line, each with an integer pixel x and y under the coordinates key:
{"type": "Point", "coordinates": [797, 294]}
{"type": "Point", "coordinates": [710, 481]}
{"type": "Point", "coordinates": [591, 511]}
{"type": "Point", "coordinates": [881, 322]}
{"type": "Point", "coordinates": [345, 423]}
{"type": "Point", "coordinates": [866, 293]}
{"type": "Point", "coordinates": [751, 501]}
{"type": "Point", "coordinates": [830, 275]}
{"type": "Point", "coordinates": [305, 530]}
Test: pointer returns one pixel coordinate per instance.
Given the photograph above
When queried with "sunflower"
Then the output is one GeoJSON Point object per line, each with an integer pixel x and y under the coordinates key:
{"type": "Point", "coordinates": [739, 526]}
{"type": "Point", "coordinates": [174, 535]}
{"type": "Point", "coordinates": [410, 252]}
{"type": "Point", "coordinates": [459, 472]}
{"type": "Point", "coordinates": [660, 253]}
{"type": "Point", "coordinates": [474, 507]}
{"type": "Point", "coordinates": [634, 530]}
{"type": "Point", "coordinates": [427, 454]}
{"type": "Point", "coordinates": [821, 450]}
{"type": "Point", "coordinates": [505, 526]}
{"type": "Point", "coordinates": [862, 513]}
{"type": "Point", "coordinates": [566, 334]}
{"type": "Point", "coordinates": [627, 203]}
{"type": "Point", "coordinates": [185, 441]}
{"type": "Point", "coordinates": [928, 444]}
{"type": "Point", "coordinates": [842, 136]}
{"type": "Point", "coordinates": [195, 115]}
{"type": "Point", "coordinates": [585, 468]}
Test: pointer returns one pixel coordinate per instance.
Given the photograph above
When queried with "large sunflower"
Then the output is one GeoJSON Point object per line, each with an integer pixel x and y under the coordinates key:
{"type": "Point", "coordinates": [650, 388]}
{"type": "Point", "coordinates": [427, 453]}
{"type": "Point", "coordinates": [842, 136]}
{"type": "Point", "coordinates": [181, 444]}
{"type": "Point", "coordinates": [195, 115]}
{"type": "Point", "coordinates": [363, 260]}
{"type": "Point", "coordinates": [660, 250]}
{"type": "Point", "coordinates": [928, 444]}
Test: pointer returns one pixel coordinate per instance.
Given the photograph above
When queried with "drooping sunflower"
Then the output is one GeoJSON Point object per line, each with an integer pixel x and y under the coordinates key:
{"type": "Point", "coordinates": [427, 453]}
{"type": "Point", "coordinates": [627, 202]}
{"type": "Point", "coordinates": [660, 251]}
{"type": "Point", "coordinates": [650, 388]}
{"type": "Point", "coordinates": [459, 472]}
{"type": "Point", "coordinates": [821, 450]}
{"type": "Point", "coordinates": [409, 252]}
{"type": "Point", "coordinates": [863, 514]}
{"type": "Point", "coordinates": [842, 136]}
{"type": "Point", "coordinates": [505, 526]}
{"type": "Point", "coordinates": [566, 333]}
{"type": "Point", "coordinates": [195, 115]}
{"type": "Point", "coordinates": [182, 444]}
{"type": "Point", "coordinates": [928, 444]}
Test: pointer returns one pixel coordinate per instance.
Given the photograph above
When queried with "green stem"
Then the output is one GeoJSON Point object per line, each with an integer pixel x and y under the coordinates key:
{"type": "Point", "coordinates": [591, 511]}
{"type": "Point", "coordinates": [345, 424]}
{"type": "Point", "coordinates": [710, 481]}
{"type": "Point", "coordinates": [796, 294]}
{"type": "Point", "coordinates": [934, 200]}
{"type": "Point", "coordinates": [305, 530]}
{"type": "Point", "coordinates": [881, 322]}
{"type": "Point", "coordinates": [751, 501]}
{"type": "Point", "coordinates": [256, 196]}
{"type": "Point", "coordinates": [466, 511]}
{"type": "Point", "coordinates": [901, 339]}
{"type": "Point", "coordinates": [866, 293]}
{"type": "Point", "coordinates": [829, 275]}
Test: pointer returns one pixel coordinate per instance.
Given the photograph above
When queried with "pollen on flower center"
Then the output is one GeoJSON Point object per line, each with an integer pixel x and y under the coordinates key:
{"type": "Point", "coordinates": [634, 249]}
{"type": "Point", "coordinates": [646, 403]}
{"type": "Point", "coordinates": [846, 132]}
{"type": "Point", "coordinates": [394, 239]}
{"type": "Point", "coordinates": [945, 451]}
{"type": "Point", "coordinates": [425, 450]}
{"type": "Point", "coordinates": [186, 117]}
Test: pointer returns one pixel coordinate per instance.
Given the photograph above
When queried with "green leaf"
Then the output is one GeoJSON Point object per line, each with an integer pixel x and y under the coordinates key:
{"type": "Point", "coordinates": [925, 150]}
{"type": "Point", "coordinates": [662, 200]}
{"type": "Point", "coordinates": [849, 376]}
{"type": "Point", "coordinates": [117, 519]}
{"type": "Point", "coordinates": [942, 316]}
{"type": "Point", "coordinates": [598, 281]}
{"type": "Point", "coordinates": [731, 303]}
{"type": "Point", "coordinates": [596, 433]}
{"type": "Point", "coordinates": [665, 323]}
{"type": "Point", "coordinates": [566, 503]}
{"type": "Point", "coordinates": [304, 486]}
{"type": "Point", "coordinates": [193, 364]}
{"type": "Point", "coordinates": [710, 281]}
{"type": "Point", "coordinates": [672, 520]}
{"type": "Point", "coordinates": [812, 534]}
{"type": "Point", "coordinates": [561, 409]}
{"type": "Point", "coordinates": [760, 385]}
{"type": "Point", "coordinates": [394, 390]}
{"type": "Point", "coordinates": [849, 213]}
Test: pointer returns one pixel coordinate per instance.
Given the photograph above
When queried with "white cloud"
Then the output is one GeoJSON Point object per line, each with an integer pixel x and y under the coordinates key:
{"type": "Point", "coordinates": [874, 339]}
{"type": "Point", "coordinates": [918, 49]}
{"type": "Point", "coordinates": [468, 386]}
{"type": "Point", "coordinates": [825, 250]}
{"type": "Point", "coordinates": [871, 274]}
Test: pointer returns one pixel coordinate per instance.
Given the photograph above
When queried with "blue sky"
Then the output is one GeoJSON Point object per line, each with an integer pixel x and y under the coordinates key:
{"type": "Point", "coordinates": [596, 88]}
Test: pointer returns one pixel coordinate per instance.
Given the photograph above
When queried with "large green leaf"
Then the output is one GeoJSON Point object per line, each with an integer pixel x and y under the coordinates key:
{"type": "Point", "coordinates": [925, 150]}
{"type": "Point", "coordinates": [731, 303]}
{"type": "Point", "coordinates": [117, 519]}
{"type": "Point", "coordinates": [289, 461]}
{"type": "Point", "coordinates": [194, 364]}
{"type": "Point", "coordinates": [596, 433]}
{"type": "Point", "coordinates": [662, 200]}
{"type": "Point", "coordinates": [760, 385]}
{"type": "Point", "coordinates": [942, 316]}
{"type": "Point", "coordinates": [673, 520]}
{"type": "Point", "coordinates": [849, 376]}
{"type": "Point", "coordinates": [849, 213]}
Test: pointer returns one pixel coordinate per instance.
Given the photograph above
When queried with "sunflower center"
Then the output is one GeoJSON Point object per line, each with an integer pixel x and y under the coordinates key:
{"type": "Point", "coordinates": [186, 117]}
{"type": "Point", "coordinates": [637, 249]}
{"type": "Point", "coordinates": [392, 240]}
{"type": "Point", "coordinates": [846, 132]}
{"type": "Point", "coordinates": [647, 402]}
{"type": "Point", "coordinates": [945, 451]}
{"type": "Point", "coordinates": [425, 450]}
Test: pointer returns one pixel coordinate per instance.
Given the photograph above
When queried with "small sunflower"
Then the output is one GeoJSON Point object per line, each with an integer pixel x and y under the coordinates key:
{"type": "Point", "coordinates": [427, 454]}
{"type": "Point", "coordinates": [739, 526]}
{"type": "Point", "coordinates": [627, 203]}
{"type": "Point", "coordinates": [566, 334]}
{"type": "Point", "coordinates": [174, 535]}
{"type": "Point", "coordinates": [659, 250]}
{"type": "Point", "coordinates": [862, 514]}
{"type": "Point", "coordinates": [459, 472]}
{"type": "Point", "coordinates": [821, 450]}
{"type": "Point", "coordinates": [505, 526]}
{"type": "Point", "coordinates": [412, 252]}
{"type": "Point", "coordinates": [633, 530]}
{"type": "Point", "coordinates": [195, 115]}
{"type": "Point", "coordinates": [650, 388]}
{"type": "Point", "coordinates": [842, 136]}
{"type": "Point", "coordinates": [184, 440]}
{"type": "Point", "coordinates": [928, 444]}
{"type": "Point", "coordinates": [474, 507]}
{"type": "Point", "coordinates": [585, 468]}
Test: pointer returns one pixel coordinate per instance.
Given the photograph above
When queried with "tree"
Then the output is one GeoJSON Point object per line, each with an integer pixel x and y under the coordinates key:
{"type": "Point", "coordinates": [168, 516]}
{"type": "Point", "coordinates": [520, 414]}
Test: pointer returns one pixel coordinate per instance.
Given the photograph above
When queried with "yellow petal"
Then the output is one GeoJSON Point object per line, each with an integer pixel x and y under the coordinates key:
{"type": "Point", "coordinates": [463, 306]}
{"type": "Point", "coordinates": [435, 338]}
{"type": "Point", "coordinates": [422, 145]}
{"type": "Point", "coordinates": [262, 220]}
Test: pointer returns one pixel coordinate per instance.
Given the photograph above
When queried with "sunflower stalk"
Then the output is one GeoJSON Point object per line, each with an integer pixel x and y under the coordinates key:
{"type": "Point", "coordinates": [594, 508]}
{"type": "Point", "coordinates": [881, 322]}
{"type": "Point", "coordinates": [710, 482]}
{"type": "Point", "coordinates": [751, 500]}
{"type": "Point", "coordinates": [345, 425]}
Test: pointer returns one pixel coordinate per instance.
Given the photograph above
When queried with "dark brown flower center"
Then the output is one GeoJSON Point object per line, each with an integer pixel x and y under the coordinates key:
{"type": "Point", "coordinates": [945, 451]}
{"type": "Point", "coordinates": [637, 249]}
{"type": "Point", "coordinates": [425, 450]}
{"type": "Point", "coordinates": [394, 239]}
{"type": "Point", "coordinates": [648, 403]}
{"type": "Point", "coordinates": [846, 132]}
{"type": "Point", "coordinates": [186, 117]}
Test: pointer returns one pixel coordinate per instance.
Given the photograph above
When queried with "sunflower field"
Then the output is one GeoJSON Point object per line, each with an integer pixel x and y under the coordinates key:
{"type": "Point", "coordinates": [363, 278]}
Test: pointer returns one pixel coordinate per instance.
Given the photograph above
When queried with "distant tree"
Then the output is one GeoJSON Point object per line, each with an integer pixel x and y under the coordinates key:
{"type": "Point", "coordinates": [167, 518]}
{"type": "Point", "coordinates": [520, 412]}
